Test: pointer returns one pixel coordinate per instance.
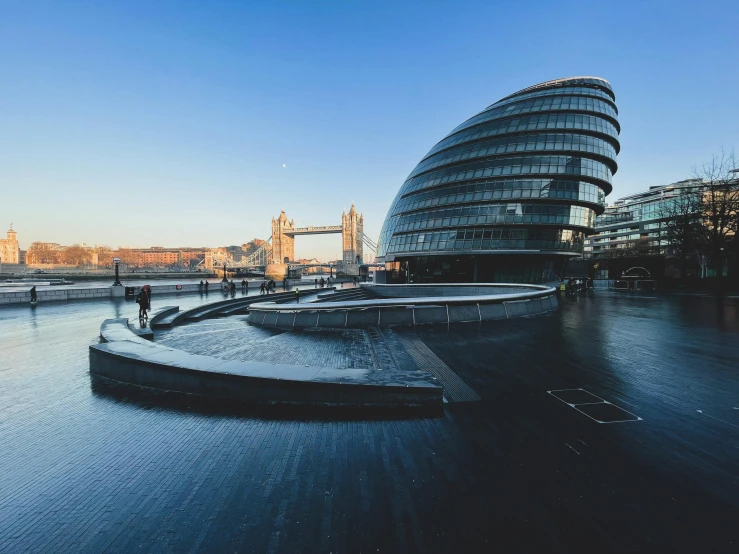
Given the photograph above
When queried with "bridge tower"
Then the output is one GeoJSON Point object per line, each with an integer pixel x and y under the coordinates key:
{"type": "Point", "coordinates": [283, 242]}
{"type": "Point", "coordinates": [352, 236]}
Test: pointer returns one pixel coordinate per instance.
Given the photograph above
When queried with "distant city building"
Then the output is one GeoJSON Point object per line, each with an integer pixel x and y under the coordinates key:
{"type": "Point", "coordinates": [160, 256]}
{"type": "Point", "coordinates": [52, 254]}
{"type": "Point", "coordinates": [510, 194]}
{"type": "Point", "coordinates": [635, 224]}
{"type": "Point", "coordinates": [9, 248]}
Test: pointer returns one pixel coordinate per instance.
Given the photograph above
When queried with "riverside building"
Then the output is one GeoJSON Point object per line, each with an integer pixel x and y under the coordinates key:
{"type": "Point", "coordinates": [635, 224]}
{"type": "Point", "coordinates": [510, 194]}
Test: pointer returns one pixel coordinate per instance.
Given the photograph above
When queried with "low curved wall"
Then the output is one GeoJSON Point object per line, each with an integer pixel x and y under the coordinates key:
{"type": "Point", "coordinates": [450, 289]}
{"type": "Point", "coordinates": [420, 306]}
{"type": "Point", "coordinates": [126, 358]}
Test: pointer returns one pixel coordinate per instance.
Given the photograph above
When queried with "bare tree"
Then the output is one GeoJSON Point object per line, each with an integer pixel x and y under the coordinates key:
{"type": "Point", "coordinates": [43, 253]}
{"type": "Point", "coordinates": [719, 205]}
{"type": "Point", "coordinates": [76, 255]}
{"type": "Point", "coordinates": [685, 234]}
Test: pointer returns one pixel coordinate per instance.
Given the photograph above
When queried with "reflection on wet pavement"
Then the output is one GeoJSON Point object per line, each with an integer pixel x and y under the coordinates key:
{"type": "Point", "coordinates": [86, 471]}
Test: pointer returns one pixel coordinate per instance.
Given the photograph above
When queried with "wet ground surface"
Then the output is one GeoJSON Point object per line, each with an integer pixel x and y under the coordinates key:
{"type": "Point", "coordinates": [87, 467]}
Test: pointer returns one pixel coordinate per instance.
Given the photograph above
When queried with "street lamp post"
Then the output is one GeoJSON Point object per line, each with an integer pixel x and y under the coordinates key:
{"type": "Point", "coordinates": [225, 279]}
{"type": "Point", "coordinates": [116, 262]}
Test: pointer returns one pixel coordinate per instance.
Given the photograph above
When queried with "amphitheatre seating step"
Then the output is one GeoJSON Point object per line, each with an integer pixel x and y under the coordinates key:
{"type": "Point", "coordinates": [143, 332]}
{"type": "Point", "coordinates": [164, 322]}
{"type": "Point", "coordinates": [220, 308]}
{"type": "Point", "coordinates": [126, 358]}
{"type": "Point", "coordinates": [354, 294]}
{"type": "Point", "coordinates": [210, 310]}
{"type": "Point", "coordinates": [243, 307]}
{"type": "Point", "coordinates": [162, 314]}
{"type": "Point", "coordinates": [232, 310]}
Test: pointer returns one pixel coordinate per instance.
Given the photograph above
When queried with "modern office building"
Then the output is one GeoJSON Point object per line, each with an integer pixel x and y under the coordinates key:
{"type": "Point", "coordinates": [635, 225]}
{"type": "Point", "coordinates": [508, 195]}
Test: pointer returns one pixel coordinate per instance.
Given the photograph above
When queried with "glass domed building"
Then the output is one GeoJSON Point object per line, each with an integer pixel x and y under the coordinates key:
{"type": "Point", "coordinates": [508, 195]}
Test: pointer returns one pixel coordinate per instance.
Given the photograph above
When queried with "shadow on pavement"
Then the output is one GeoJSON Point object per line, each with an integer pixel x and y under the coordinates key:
{"type": "Point", "coordinates": [147, 399]}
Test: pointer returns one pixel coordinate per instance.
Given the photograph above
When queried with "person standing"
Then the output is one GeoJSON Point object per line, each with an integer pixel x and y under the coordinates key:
{"type": "Point", "coordinates": [243, 285]}
{"type": "Point", "coordinates": [143, 301]}
{"type": "Point", "coordinates": [200, 286]}
{"type": "Point", "coordinates": [147, 289]}
{"type": "Point", "coordinates": [206, 286]}
{"type": "Point", "coordinates": [33, 294]}
{"type": "Point", "coordinates": [261, 288]}
{"type": "Point", "coordinates": [297, 296]}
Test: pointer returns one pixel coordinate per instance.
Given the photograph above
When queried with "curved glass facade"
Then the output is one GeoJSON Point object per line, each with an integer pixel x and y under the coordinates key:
{"type": "Point", "coordinates": [510, 193]}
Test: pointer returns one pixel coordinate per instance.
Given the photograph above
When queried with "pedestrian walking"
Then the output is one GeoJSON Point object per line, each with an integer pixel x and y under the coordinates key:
{"type": "Point", "coordinates": [297, 295]}
{"type": "Point", "coordinates": [233, 288]}
{"type": "Point", "coordinates": [261, 288]}
{"type": "Point", "coordinates": [33, 294]}
{"type": "Point", "coordinates": [143, 301]}
{"type": "Point", "coordinates": [316, 280]}
{"type": "Point", "coordinates": [200, 286]}
{"type": "Point", "coordinates": [243, 285]}
{"type": "Point", "coordinates": [206, 286]}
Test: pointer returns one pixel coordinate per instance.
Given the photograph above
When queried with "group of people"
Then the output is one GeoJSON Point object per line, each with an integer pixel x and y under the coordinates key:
{"type": "Point", "coordinates": [229, 287]}
{"type": "Point", "coordinates": [204, 285]}
{"type": "Point", "coordinates": [143, 299]}
{"type": "Point", "coordinates": [579, 285]}
{"type": "Point", "coordinates": [267, 286]}
{"type": "Point", "coordinates": [321, 283]}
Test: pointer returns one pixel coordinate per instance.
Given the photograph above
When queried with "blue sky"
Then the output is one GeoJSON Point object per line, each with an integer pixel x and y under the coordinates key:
{"type": "Point", "coordinates": [168, 123]}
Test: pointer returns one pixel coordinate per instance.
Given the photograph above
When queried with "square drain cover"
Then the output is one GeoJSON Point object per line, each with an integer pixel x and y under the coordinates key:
{"type": "Point", "coordinates": [575, 396]}
{"type": "Point", "coordinates": [606, 413]}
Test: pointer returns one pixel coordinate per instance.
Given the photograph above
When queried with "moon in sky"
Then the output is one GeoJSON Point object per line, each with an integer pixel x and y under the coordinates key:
{"type": "Point", "coordinates": [284, 165]}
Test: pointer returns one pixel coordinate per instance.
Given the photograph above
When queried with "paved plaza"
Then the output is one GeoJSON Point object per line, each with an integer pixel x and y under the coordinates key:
{"type": "Point", "coordinates": [516, 461]}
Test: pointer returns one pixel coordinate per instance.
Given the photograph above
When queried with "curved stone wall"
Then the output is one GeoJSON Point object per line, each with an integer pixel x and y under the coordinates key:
{"type": "Point", "coordinates": [412, 305]}
{"type": "Point", "coordinates": [126, 358]}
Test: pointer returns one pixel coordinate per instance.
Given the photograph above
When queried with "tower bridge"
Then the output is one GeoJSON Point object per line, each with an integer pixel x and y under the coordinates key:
{"type": "Point", "coordinates": [278, 252]}
{"type": "Point", "coordinates": [351, 229]}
